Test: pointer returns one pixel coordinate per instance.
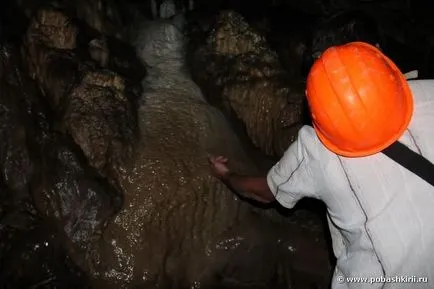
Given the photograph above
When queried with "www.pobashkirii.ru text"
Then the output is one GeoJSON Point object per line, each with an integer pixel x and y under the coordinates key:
{"type": "Point", "coordinates": [382, 279]}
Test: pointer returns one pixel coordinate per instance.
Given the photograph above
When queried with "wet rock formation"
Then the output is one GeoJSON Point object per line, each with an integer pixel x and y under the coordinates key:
{"type": "Point", "coordinates": [119, 186]}
{"type": "Point", "coordinates": [105, 16]}
{"type": "Point", "coordinates": [244, 77]}
{"type": "Point", "coordinates": [14, 158]}
{"type": "Point", "coordinates": [93, 104]}
{"type": "Point", "coordinates": [48, 193]}
{"type": "Point", "coordinates": [174, 213]}
{"type": "Point", "coordinates": [69, 113]}
{"type": "Point", "coordinates": [104, 180]}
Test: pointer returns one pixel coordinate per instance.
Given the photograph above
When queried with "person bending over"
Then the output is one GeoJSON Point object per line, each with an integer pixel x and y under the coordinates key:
{"type": "Point", "coordinates": [368, 157]}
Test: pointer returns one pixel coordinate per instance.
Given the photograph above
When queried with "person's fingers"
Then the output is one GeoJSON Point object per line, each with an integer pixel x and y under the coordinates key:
{"type": "Point", "coordinates": [222, 159]}
{"type": "Point", "coordinates": [216, 161]}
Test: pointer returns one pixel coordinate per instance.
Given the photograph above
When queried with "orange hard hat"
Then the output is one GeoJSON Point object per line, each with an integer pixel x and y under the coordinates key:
{"type": "Point", "coordinates": [359, 100]}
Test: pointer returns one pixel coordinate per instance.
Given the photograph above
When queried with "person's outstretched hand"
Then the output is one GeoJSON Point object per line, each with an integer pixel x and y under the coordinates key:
{"type": "Point", "coordinates": [218, 166]}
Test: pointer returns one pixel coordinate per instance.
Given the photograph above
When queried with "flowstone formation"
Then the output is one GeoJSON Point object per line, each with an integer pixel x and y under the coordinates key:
{"type": "Point", "coordinates": [179, 226]}
{"type": "Point", "coordinates": [117, 183]}
{"type": "Point", "coordinates": [244, 77]}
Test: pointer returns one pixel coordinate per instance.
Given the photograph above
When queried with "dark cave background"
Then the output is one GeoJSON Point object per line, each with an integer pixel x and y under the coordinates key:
{"type": "Point", "coordinates": [32, 251]}
{"type": "Point", "coordinates": [405, 27]}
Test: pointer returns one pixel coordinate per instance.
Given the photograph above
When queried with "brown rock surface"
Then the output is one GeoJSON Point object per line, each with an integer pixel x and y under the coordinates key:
{"type": "Point", "coordinates": [177, 225]}
{"type": "Point", "coordinates": [93, 104]}
{"type": "Point", "coordinates": [246, 79]}
{"type": "Point", "coordinates": [174, 212]}
{"type": "Point", "coordinates": [48, 194]}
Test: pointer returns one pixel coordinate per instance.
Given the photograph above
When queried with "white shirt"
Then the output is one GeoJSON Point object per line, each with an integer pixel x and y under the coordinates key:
{"type": "Point", "coordinates": [381, 216]}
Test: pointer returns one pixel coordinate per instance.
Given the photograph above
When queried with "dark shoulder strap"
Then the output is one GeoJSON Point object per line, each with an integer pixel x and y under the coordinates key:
{"type": "Point", "coordinates": [411, 160]}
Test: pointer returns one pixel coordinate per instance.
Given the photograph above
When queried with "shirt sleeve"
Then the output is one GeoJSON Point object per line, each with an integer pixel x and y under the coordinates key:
{"type": "Point", "coordinates": [292, 177]}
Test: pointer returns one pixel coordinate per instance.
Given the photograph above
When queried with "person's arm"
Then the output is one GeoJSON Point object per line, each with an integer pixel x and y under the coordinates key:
{"type": "Point", "coordinates": [255, 188]}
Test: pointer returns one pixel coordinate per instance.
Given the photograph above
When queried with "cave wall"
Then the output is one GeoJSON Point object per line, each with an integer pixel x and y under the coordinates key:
{"type": "Point", "coordinates": [68, 173]}
{"type": "Point", "coordinates": [113, 190]}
